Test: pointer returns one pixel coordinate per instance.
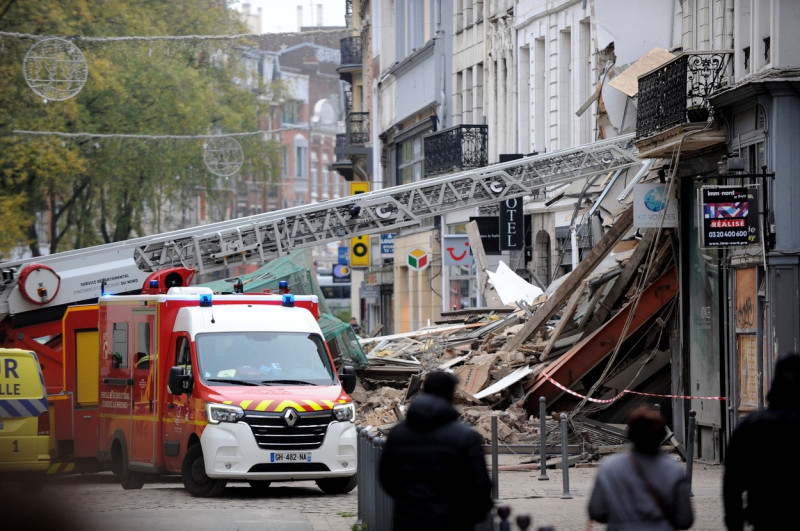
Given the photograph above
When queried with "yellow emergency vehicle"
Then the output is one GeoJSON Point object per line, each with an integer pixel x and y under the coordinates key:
{"type": "Point", "coordinates": [24, 416]}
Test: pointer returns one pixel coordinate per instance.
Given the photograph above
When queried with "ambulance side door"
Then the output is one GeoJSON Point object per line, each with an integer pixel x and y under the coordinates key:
{"type": "Point", "coordinates": [144, 367]}
{"type": "Point", "coordinates": [179, 418]}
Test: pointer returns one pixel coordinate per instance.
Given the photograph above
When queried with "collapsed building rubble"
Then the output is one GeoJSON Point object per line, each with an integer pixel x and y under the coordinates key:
{"type": "Point", "coordinates": [600, 330]}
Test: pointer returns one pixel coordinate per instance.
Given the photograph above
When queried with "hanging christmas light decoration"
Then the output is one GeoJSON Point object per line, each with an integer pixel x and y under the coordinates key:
{"type": "Point", "coordinates": [55, 69]}
{"type": "Point", "coordinates": [223, 155]}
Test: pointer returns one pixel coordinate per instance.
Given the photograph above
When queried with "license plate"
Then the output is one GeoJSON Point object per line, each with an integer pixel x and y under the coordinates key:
{"type": "Point", "coordinates": [290, 457]}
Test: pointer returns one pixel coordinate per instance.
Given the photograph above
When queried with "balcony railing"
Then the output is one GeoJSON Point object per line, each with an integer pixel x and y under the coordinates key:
{"type": "Point", "coordinates": [677, 92]}
{"type": "Point", "coordinates": [358, 128]}
{"type": "Point", "coordinates": [351, 50]}
{"type": "Point", "coordinates": [456, 148]}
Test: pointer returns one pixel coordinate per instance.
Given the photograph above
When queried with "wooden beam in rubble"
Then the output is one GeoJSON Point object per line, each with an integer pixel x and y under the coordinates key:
{"type": "Point", "coordinates": [573, 282]}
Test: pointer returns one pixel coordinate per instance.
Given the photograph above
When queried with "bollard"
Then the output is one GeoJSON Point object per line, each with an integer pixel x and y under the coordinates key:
{"type": "Point", "coordinates": [523, 521]}
{"type": "Point", "coordinates": [690, 448]}
{"type": "Point", "coordinates": [542, 440]}
{"type": "Point", "coordinates": [504, 512]}
{"type": "Point", "coordinates": [495, 467]}
{"type": "Point", "coordinates": [565, 457]}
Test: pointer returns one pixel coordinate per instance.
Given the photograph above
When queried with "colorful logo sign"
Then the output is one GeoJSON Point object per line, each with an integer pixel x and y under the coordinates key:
{"type": "Point", "coordinates": [456, 250]}
{"type": "Point", "coordinates": [418, 259]}
{"type": "Point", "coordinates": [653, 207]}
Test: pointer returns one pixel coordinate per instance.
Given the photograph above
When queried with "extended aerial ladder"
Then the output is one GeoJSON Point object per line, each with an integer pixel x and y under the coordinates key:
{"type": "Point", "coordinates": [30, 286]}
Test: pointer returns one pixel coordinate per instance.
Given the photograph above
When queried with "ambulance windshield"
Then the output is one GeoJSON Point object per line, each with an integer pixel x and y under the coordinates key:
{"type": "Point", "coordinates": [263, 358]}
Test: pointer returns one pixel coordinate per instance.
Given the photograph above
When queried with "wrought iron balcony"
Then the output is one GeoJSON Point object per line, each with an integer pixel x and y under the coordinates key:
{"type": "Point", "coordinates": [456, 148]}
{"type": "Point", "coordinates": [677, 92]}
{"type": "Point", "coordinates": [350, 48]}
{"type": "Point", "coordinates": [358, 128]}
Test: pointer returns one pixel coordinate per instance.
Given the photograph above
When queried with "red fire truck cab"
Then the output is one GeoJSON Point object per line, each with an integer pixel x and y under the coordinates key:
{"type": "Point", "coordinates": [222, 387]}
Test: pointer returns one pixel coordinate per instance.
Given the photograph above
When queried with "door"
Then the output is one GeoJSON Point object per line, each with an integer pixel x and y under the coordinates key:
{"type": "Point", "coordinates": [143, 377]}
{"type": "Point", "coordinates": [179, 416]}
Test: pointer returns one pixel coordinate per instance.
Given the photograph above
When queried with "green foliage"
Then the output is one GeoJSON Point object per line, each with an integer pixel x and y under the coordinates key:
{"type": "Point", "coordinates": [94, 189]}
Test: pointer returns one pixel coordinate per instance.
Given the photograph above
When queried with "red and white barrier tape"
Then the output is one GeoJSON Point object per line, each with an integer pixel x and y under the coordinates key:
{"type": "Point", "coordinates": [626, 391]}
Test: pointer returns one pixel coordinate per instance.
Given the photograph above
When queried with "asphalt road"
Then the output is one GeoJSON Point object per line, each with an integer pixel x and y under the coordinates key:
{"type": "Point", "coordinates": [96, 502]}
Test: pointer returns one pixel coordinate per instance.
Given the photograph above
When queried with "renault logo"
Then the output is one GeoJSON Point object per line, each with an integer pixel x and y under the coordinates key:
{"type": "Point", "coordinates": [290, 416]}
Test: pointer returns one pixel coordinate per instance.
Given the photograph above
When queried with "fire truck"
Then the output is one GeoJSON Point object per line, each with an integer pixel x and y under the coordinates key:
{"type": "Point", "coordinates": [59, 306]}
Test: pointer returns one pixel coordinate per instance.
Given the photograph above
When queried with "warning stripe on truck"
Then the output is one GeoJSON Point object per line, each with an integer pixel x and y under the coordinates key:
{"type": "Point", "coordinates": [278, 406]}
{"type": "Point", "coordinates": [61, 468]}
{"type": "Point", "coordinates": [23, 407]}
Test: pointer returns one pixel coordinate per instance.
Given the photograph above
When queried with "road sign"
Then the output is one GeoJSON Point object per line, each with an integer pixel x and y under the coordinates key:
{"type": "Point", "coordinates": [359, 246]}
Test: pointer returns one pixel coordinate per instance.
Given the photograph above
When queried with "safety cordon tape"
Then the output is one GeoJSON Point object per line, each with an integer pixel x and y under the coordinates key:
{"type": "Point", "coordinates": [626, 391]}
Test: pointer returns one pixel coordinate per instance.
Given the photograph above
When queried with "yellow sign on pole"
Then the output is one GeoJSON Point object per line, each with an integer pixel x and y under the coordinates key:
{"type": "Point", "coordinates": [359, 246]}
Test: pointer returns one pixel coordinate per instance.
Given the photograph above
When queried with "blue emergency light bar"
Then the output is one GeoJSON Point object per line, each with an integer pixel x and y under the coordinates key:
{"type": "Point", "coordinates": [283, 284]}
{"type": "Point", "coordinates": [205, 300]}
{"type": "Point", "coordinates": [287, 300]}
{"type": "Point", "coordinates": [154, 284]}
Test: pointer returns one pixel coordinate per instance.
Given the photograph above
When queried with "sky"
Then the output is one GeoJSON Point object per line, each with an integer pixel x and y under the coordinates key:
{"type": "Point", "coordinates": [281, 15]}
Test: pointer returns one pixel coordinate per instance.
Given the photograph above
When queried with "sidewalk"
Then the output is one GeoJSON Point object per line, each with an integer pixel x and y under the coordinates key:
{"type": "Point", "coordinates": [543, 500]}
{"type": "Point", "coordinates": [524, 492]}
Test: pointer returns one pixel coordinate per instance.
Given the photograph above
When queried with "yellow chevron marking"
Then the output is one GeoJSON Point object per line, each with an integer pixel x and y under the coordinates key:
{"type": "Point", "coordinates": [58, 468]}
{"type": "Point", "coordinates": [313, 405]}
{"type": "Point", "coordinates": [263, 405]}
{"type": "Point", "coordinates": [227, 402]}
{"type": "Point", "coordinates": [289, 403]}
{"type": "Point", "coordinates": [245, 403]}
{"type": "Point", "coordinates": [328, 403]}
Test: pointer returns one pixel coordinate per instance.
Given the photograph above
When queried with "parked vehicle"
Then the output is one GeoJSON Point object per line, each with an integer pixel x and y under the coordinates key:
{"type": "Point", "coordinates": [222, 387]}
{"type": "Point", "coordinates": [24, 416]}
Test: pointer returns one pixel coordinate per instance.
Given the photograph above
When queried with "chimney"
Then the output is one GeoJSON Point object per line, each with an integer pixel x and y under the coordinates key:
{"type": "Point", "coordinates": [299, 17]}
{"type": "Point", "coordinates": [319, 14]}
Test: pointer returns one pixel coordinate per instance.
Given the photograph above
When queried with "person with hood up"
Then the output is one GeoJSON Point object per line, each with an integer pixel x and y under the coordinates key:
{"type": "Point", "coordinates": [433, 465]}
{"type": "Point", "coordinates": [761, 461]}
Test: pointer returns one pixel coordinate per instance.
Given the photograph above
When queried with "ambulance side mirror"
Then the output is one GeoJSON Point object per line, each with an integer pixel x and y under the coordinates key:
{"type": "Point", "coordinates": [179, 382]}
{"type": "Point", "coordinates": [348, 378]}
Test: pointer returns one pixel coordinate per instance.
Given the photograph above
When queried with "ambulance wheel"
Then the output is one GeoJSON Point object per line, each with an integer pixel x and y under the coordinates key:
{"type": "Point", "coordinates": [193, 474]}
{"type": "Point", "coordinates": [129, 479]}
{"type": "Point", "coordinates": [260, 487]}
{"type": "Point", "coordinates": [337, 485]}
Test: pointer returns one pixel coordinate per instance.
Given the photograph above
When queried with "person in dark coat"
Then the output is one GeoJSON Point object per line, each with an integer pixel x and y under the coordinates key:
{"type": "Point", "coordinates": [433, 465]}
{"type": "Point", "coordinates": [761, 460]}
{"type": "Point", "coordinates": [643, 489]}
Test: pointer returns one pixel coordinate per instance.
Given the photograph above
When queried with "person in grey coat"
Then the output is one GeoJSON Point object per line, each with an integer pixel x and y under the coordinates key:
{"type": "Point", "coordinates": [643, 489]}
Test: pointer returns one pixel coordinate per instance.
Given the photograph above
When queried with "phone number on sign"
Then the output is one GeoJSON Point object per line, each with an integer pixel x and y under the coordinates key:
{"type": "Point", "coordinates": [727, 234]}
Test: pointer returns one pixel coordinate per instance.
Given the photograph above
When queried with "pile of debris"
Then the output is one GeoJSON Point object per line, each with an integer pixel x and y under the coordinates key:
{"type": "Point", "coordinates": [599, 330]}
